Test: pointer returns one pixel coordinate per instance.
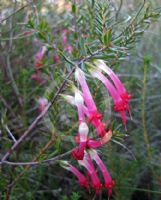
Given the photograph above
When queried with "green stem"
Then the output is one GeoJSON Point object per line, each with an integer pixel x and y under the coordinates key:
{"type": "Point", "coordinates": [143, 111]}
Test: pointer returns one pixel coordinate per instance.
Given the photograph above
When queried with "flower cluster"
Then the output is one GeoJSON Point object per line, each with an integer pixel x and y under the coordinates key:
{"type": "Point", "coordinates": [85, 152]}
{"type": "Point", "coordinates": [65, 43]}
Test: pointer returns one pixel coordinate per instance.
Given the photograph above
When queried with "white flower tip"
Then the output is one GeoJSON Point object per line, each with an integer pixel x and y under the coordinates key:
{"type": "Point", "coordinates": [83, 128]}
{"type": "Point", "coordinates": [75, 89]}
{"type": "Point", "coordinates": [70, 99]}
{"type": "Point", "coordinates": [78, 74]}
{"type": "Point", "coordinates": [78, 99]}
{"type": "Point", "coordinates": [81, 162]}
{"type": "Point", "coordinates": [102, 66]}
{"type": "Point", "coordinates": [100, 62]}
{"type": "Point", "coordinates": [43, 100]}
{"type": "Point", "coordinates": [93, 72]}
{"type": "Point", "coordinates": [64, 164]}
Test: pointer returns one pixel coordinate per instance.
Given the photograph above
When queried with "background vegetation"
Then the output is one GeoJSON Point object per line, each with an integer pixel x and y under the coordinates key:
{"type": "Point", "coordinates": [133, 157]}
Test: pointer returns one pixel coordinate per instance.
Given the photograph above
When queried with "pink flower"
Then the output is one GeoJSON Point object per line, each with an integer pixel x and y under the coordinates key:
{"type": "Point", "coordinates": [80, 77]}
{"type": "Point", "coordinates": [83, 181]}
{"type": "Point", "coordinates": [109, 183]}
{"type": "Point", "coordinates": [64, 40]}
{"type": "Point", "coordinates": [43, 102]}
{"type": "Point", "coordinates": [119, 104]}
{"type": "Point", "coordinates": [83, 111]}
{"type": "Point", "coordinates": [120, 87]}
{"type": "Point", "coordinates": [94, 116]}
{"type": "Point", "coordinates": [66, 31]}
{"type": "Point", "coordinates": [69, 49]}
{"type": "Point", "coordinates": [78, 153]}
{"type": "Point", "coordinates": [39, 57]}
{"type": "Point", "coordinates": [79, 102]}
{"type": "Point", "coordinates": [56, 59]}
{"type": "Point", "coordinates": [70, 99]}
{"type": "Point", "coordinates": [87, 163]}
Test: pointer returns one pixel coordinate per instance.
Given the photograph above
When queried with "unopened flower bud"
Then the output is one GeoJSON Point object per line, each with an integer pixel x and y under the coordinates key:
{"type": "Point", "coordinates": [78, 99]}
{"type": "Point", "coordinates": [83, 128]}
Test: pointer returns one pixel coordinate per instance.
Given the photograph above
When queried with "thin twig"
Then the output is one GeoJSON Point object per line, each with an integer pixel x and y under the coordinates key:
{"type": "Point", "coordinates": [28, 166]}
{"type": "Point", "coordinates": [15, 12]}
{"type": "Point", "coordinates": [125, 147]}
{"type": "Point", "coordinates": [118, 11]}
{"type": "Point", "coordinates": [35, 163]}
{"type": "Point", "coordinates": [10, 134]}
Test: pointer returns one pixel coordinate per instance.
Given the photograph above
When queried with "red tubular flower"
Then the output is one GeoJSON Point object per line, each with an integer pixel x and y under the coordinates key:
{"type": "Point", "coordinates": [39, 57]}
{"type": "Point", "coordinates": [109, 183]}
{"type": "Point", "coordinates": [94, 116]}
{"type": "Point", "coordinates": [56, 59]}
{"type": "Point", "coordinates": [43, 102]}
{"type": "Point", "coordinates": [80, 77]}
{"type": "Point", "coordinates": [83, 181]}
{"type": "Point", "coordinates": [119, 104]}
{"type": "Point", "coordinates": [69, 49]}
{"type": "Point", "coordinates": [37, 76]}
{"type": "Point", "coordinates": [78, 153]}
{"type": "Point", "coordinates": [96, 119]}
{"type": "Point", "coordinates": [87, 163]}
{"type": "Point", "coordinates": [118, 84]}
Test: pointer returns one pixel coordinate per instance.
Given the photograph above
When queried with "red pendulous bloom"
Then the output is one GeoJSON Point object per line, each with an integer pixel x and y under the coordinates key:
{"type": "Point", "coordinates": [87, 113]}
{"type": "Point", "coordinates": [119, 104]}
{"type": "Point", "coordinates": [118, 84]}
{"type": "Point", "coordinates": [109, 183]}
{"type": "Point", "coordinates": [95, 181]}
{"type": "Point", "coordinates": [39, 57]}
{"type": "Point", "coordinates": [78, 153]}
{"type": "Point", "coordinates": [83, 181]}
{"type": "Point", "coordinates": [94, 116]}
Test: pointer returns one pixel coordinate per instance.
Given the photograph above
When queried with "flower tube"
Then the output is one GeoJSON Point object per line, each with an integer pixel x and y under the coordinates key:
{"type": "Point", "coordinates": [83, 181]}
{"type": "Point", "coordinates": [109, 183]}
{"type": "Point", "coordinates": [119, 104]}
{"type": "Point", "coordinates": [87, 163]}
{"type": "Point", "coordinates": [118, 84]}
{"type": "Point", "coordinates": [78, 152]}
{"type": "Point", "coordinates": [80, 77]}
{"type": "Point", "coordinates": [94, 116]}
